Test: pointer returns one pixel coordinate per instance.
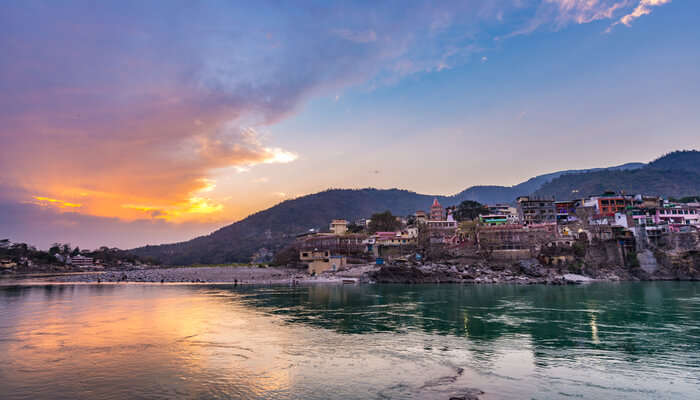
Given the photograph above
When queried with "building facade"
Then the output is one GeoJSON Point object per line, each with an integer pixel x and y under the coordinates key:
{"type": "Point", "coordinates": [339, 226]}
{"type": "Point", "coordinates": [81, 261]}
{"type": "Point", "coordinates": [536, 211]}
{"type": "Point", "coordinates": [322, 260]}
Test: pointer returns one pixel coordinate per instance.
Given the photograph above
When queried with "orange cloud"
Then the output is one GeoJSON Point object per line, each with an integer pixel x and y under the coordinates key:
{"type": "Point", "coordinates": [132, 166]}
{"type": "Point", "coordinates": [191, 208]}
{"type": "Point", "coordinates": [45, 201]}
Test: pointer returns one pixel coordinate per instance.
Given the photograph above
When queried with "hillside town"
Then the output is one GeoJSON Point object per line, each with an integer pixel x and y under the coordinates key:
{"type": "Point", "coordinates": [611, 236]}
{"type": "Point", "coordinates": [636, 236]}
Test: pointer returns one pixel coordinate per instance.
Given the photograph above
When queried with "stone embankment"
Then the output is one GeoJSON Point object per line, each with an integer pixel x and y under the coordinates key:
{"type": "Point", "coordinates": [524, 272]}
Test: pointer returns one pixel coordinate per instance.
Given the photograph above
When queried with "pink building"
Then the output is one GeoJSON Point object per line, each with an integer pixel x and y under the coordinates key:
{"type": "Point", "coordinates": [674, 217]}
{"type": "Point", "coordinates": [678, 215]}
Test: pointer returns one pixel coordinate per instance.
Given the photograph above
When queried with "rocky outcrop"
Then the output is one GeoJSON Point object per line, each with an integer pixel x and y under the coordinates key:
{"type": "Point", "coordinates": [532, 268]}
{"type": "Point", "coordinates": [415, 274]}
{"type": "Point", "coordinates": [678, 265]}
{"type": "Point", "coordinates": [522, 272]}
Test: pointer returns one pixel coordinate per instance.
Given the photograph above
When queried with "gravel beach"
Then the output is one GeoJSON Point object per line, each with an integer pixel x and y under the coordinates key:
{"type": "Point", "coordinates": [223, 274]}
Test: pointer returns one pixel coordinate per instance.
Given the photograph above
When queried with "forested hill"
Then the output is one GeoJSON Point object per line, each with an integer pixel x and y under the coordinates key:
{"type": "Point", "coordinates": [276, 227]}
{"type": "Point", "coordinates": [675, 174]}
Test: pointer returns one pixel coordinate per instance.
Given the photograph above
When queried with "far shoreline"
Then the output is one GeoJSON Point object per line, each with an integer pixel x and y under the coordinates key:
{"type": "Point", "coordinates": [281, 276]}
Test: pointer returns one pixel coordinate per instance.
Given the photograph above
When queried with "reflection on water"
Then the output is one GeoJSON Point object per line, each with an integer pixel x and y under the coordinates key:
{"type": "Point", "coordinates": [638, 340]}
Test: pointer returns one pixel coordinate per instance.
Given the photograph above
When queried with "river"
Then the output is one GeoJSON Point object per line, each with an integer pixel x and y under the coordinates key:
{"type": "Point", "coordinates": [118, 341]}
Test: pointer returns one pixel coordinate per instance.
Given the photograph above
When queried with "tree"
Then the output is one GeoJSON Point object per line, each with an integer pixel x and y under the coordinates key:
{"type": "Point", "coordinates": [384, 222]}
{"type": "Point", "coordinates": [469, 210]}
{"type": "Point", "coordinates": [354, 228]}
{"type": "Point", "coordinates": [286, 256]}
{"type": "Point", "coordinates": [468, 230]}
{"type": "Point", "coordinates": [411, 220]}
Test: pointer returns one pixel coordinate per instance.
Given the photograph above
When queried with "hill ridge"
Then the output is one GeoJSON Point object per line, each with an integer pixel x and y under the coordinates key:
{"type": "Point", "coordinates": [277, 226]}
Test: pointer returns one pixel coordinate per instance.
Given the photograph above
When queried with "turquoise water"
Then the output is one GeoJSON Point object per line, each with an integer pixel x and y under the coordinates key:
{"type": "Point", "coordinates": [599, 341]}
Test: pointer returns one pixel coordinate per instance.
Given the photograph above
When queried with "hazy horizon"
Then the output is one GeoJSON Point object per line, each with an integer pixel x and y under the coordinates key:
{"type": "Point", "coordinates": [45, 243]}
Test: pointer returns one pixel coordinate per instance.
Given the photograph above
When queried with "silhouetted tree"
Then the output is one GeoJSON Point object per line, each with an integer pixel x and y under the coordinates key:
{"type": "Point", "coordinates": [354, 228]}
{"type": "Point", "coordinates": [469, 210]}
{"type": "Point", "coordinates": [384, 222]}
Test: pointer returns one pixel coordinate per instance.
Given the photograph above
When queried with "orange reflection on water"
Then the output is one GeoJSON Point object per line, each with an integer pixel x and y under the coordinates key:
{"type": "Point", "coordinates": [144, 340]}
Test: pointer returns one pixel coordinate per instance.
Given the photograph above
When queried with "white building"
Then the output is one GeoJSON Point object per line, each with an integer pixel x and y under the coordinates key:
{"type": "Point", "coordinates": [82, 261]}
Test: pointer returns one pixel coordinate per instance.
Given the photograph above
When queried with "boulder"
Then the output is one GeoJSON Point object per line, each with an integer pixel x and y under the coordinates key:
{"type": "Point", "coordinates": [531, 267]}
{"type": "Point", "coordinates": [576, 279]}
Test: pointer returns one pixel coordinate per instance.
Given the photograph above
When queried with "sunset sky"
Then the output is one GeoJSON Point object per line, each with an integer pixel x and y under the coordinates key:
{"type": "Point", "coordinates": [131, 122]}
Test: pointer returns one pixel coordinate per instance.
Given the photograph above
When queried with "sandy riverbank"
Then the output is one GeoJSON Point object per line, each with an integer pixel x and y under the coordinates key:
{"type": "Point", "coordinates": [218, 274]}
{"type": "Point", "coordinates": [223, 274]}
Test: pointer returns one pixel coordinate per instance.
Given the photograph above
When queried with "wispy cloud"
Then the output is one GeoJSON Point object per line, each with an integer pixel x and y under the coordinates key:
{"type": "Point", "coordinates": [557, 14]}
{"type": "Point", "coordinates": [643, 8]}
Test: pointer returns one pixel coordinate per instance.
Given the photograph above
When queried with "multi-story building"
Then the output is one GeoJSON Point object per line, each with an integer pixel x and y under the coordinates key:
{"type": "Point", "coordinates": [420, 216]}
{"type": "Point", "coordinates": [339, 226]}
{"type": "Point", "coordinates": [348, 243]}
{"type": "Point", "coordinates": [440, 228]}
{"type": "Point", "coordinates": [515, 240]}
{"type": "Point", "coordinates": [566, 210]}
{"type": "Point", "coordinates": [81, 261]}
{"type": "Point", "coordinates": [536, 210]}
{"type": "Point", "coordinates": [502, 209]}
{"type": "Point", "coordinates": [672, 216]}
{"type": "Point", "coordinates": [322, 260]}
{"type": "Point", "coordinates": [609, 203]}
{"type": "Point", "coordinates": [375, 242]}
{"type": "Point", "coordinates": [678, 215]}
{"type": "Point", "coordinates": [507, 211]}
{"type": "Point", "coordinates": [442, 231]}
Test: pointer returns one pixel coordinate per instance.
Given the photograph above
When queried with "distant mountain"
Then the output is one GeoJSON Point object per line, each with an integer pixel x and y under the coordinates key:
{"type": "Point", "coordinates": [277, 226]}
{"type": "Point", "coordinates": [507, 194]}
{"type": "Point", "coordinates": [675, 174]}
